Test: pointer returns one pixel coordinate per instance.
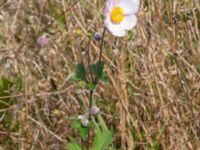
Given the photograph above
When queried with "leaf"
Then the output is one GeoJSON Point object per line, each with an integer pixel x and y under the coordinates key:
{"type": "Point", "coordinates": [73, 146]}
{"type": "Point", "coordinates": [91, 86]}
{"type": "Point", "coordinates": [82, 84]}
{"type": "Point", "coordinates": [5, 84]}
{"type": "Point", "coordinates": [155, 145]}
{"type": "Point", "coordinates": [97, 68]}
{"type": "Point", "coordinates": [5, 91]}
{"type": "Point", "coordinates": [104, 77]}
{"type": "Point", "coordinates": [130, 35]}
{"type": "Point", "coordinates": [83, 131]}
{"type": "Point", "coordinates": [80, 71]}
{"type": "Point", "coordinates": [102, 140]}
{"type": "Point", "coordinates": [102, 123]}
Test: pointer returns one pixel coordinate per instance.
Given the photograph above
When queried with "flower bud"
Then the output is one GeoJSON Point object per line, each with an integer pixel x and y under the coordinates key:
{"type": "Point", "coordinates": [84, 122]}
{"type": "Point", "coordinates": [97, 36]}
{"type": "Point", "coordinates": [42, 41]}
{"type": "Point", "coordinates": [85, 116]}
{"type": "Point", "coordinates": [94, 110]}
{"type": "Point", "coordinates": [80, 117]}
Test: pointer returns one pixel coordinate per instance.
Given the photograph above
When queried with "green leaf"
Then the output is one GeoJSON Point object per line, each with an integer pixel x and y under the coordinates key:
{"type": "Point", "coordinates": [155, 145]}
{"type": "Point", "coordinates": [5, 87]}
{"type": "Point", "coordinates": [73, 146]}
{"type": "Point", "coordinates": [97, 68]}
{"type": "Point", "coordinates": [80, 71]}
{"type": "Point", "coordinates": [5, 84]}
{"type": "Point", "coordinates": [89, 35]}
{"type": "Point", "coordinates": [102, 140]}
{"type": "Point", "coordinates": [83, 131]}
{"type": "Point", "coordinates": [91, 86]}
{"type": "Point", "coordinates": [104, 77]}
{"type": "Point", "coordinates": [102, 123]}
{"type": "Point", "coordinates": [130, 35]}
{"type": "Point", "coordinates": [81, 84]}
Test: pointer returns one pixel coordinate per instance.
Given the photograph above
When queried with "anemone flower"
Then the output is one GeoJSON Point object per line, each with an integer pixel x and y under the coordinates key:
{"type": "Point", "coordinates": [120, 16]}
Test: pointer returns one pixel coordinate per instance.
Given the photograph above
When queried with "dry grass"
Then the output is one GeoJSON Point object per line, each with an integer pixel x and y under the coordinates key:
{"type": "Point", "coordinates": [152, 100]}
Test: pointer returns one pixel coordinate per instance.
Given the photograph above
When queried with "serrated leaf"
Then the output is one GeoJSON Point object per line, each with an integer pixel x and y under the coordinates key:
{"type": "Point", "coordinates": [102, 140]}
{"type": "Point", "coordinates": [73, 146]}
{"type": "Point", "coordinates": [97, 68]}
{"type": "Point", "coordinates": [80, 71]}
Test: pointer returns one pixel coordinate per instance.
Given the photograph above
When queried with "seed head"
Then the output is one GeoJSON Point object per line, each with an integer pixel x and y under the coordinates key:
{"type": "Point", "coordinates": [42, 41]}
{"type": "Point", "coordinates": [97, 36]}
{"type": "Point", "coordinates": [94, 110]}
{"type": "Point", "coordinates": [84, 122]}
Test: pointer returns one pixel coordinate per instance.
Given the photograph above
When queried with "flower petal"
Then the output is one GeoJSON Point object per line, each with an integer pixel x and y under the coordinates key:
{"type": "Point", "coordinates": [129, 22]}
{"type": "Point", "coordinates": [109, 6]}
{"type": "Point", "coordinates": [115, 29]}
{"type": "Point", "coordinates": [129, 6]}
{"type": "Point", "coordinates": [118, 31]}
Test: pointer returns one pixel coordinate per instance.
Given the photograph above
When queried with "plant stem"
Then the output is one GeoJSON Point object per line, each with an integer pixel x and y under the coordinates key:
{"type": "Point", "coordinates": [88, 53]}
{"type": "Point", "coordinates": [89, 118]}
{"type": "Point", "coordinates": [94, 81]}
{"type": "Point", "coordinates": [82, 145]}
{"type": "Point", "coordinates": [100, 54]}
{"type": "Point", "coordinates": [90, 103]}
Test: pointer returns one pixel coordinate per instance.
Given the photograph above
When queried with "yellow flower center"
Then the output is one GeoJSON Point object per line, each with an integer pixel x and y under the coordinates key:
{"type": "Point", "coordinates": [117, 14]}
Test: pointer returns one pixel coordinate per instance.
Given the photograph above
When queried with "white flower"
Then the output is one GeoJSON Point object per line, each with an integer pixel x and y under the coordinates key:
{"type": "Point", "coordinates": [120, 16]}
{"type": "Point", "coordinates": [85, 116]}
{"type": "Point", "coordinates": [85, 122]}
{"type": "Point", "coordinates": [84, 119]}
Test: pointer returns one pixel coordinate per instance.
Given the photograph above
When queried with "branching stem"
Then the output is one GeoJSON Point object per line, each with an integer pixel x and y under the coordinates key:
{"type": "Point", "coordinates": [94, 80]}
